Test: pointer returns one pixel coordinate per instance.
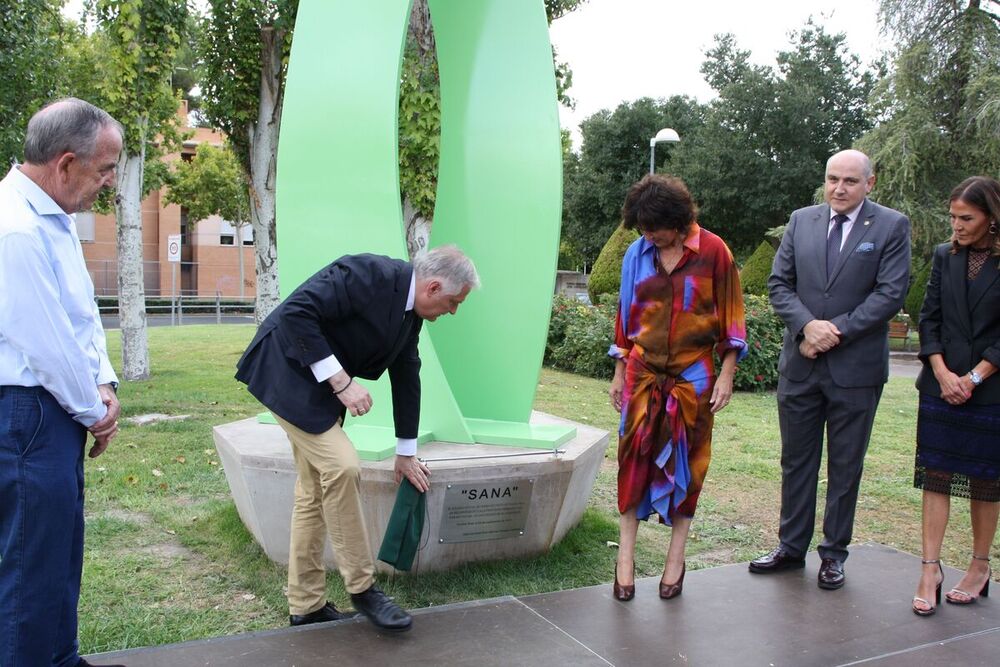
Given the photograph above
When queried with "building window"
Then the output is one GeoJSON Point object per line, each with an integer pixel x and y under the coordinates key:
{"type": "Point", "coordinates": [85, 226]}
{"type": "Point", "coordinates": [227, 234]}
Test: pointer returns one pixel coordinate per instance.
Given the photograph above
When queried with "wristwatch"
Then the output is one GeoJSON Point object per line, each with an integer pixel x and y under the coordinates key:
{"type": "Point", "coordinates": [975, 378]}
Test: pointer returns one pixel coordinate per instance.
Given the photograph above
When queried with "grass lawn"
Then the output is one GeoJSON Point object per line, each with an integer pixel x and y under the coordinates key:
{"type": "Point", "coordinates": [167, 558]}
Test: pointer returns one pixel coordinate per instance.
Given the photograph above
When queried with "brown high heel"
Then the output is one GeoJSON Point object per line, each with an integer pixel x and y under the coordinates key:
{"type": "Point", "coordinates": [931, 609]}
{"type": "Point", "coordinates": [984, 592]}
{"type": "Point", "coordinates": [624, 593]}
{"type": "Point", "coordinates": [668, 591]}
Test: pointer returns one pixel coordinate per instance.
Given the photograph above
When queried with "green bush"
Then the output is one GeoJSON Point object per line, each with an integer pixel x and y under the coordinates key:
{"type": "Point", "coordinates": [754, 274]}
{"type": "Point", "coordinates": [606, 276]}
{"type": "Point", "coordinates": [759, 369]}
{"type": "Point", "coordinates": [915, 297]}
{"type": "Point", "coordinates": [579, 337]}
{"type": "Point", "coordinates": [564, 311]}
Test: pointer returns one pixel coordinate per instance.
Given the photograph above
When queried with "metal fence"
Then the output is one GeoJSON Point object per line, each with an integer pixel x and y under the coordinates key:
{"type": "Point", "coordinates": [201, 309]}
{"type": "Point", "coordinates": [223, 278]}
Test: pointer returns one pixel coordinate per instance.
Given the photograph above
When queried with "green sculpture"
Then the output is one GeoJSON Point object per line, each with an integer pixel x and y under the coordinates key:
{"type": "Point", "coordinates": [499, 194]}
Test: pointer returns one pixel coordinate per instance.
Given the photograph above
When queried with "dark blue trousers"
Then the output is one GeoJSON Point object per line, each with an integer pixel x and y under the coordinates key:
{"type": "Point", "coordinates": [41, 529]}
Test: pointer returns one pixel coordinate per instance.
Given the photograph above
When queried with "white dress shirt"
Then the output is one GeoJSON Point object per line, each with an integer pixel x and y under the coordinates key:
{"type": "Point", "coordinates": [324, 369]}
{"type": "Point", "coordinates": [50, 328]}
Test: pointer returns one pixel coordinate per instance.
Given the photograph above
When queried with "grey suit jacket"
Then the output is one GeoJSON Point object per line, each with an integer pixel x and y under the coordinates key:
{"type": "Point", "coordinates": [865, 290]}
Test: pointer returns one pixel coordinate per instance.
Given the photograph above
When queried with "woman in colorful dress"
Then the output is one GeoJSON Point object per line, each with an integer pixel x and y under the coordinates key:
{"type": "Point", "coordinates": [680, 300]}
{"type": "Point", "coordinates": [958, 423]}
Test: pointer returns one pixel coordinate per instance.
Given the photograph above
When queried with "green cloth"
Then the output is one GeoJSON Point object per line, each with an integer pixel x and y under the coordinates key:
{"type": "Point", "coordinates": [406, 524]}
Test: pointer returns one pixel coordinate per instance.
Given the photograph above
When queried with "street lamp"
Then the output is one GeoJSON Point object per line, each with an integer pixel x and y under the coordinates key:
{"type": "Point", "coordinates": [666, 134]}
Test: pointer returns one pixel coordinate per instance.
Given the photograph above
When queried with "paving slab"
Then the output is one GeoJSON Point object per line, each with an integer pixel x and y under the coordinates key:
{"type": "Point", "coordinates": [726, 616]}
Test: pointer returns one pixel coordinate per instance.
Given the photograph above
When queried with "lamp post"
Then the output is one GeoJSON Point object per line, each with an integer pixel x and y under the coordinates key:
{"type": "Point", "coordinates": [666, 134]}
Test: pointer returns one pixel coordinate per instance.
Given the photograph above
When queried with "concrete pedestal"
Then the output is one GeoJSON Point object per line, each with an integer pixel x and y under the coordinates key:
{"type": "Point", "coordinates": [261, 474]}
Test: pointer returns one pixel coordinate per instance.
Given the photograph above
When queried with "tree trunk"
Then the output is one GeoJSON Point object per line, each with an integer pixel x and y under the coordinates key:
{"type": "Point", "coordinates": [131, 286]}
{"type": "Point", "coordinates": [421, 30]}
{"type": "Point", "coordinates": [418, 229]}
{"type": "Point", "coordinates": [263, 135]}
{"type": "Point", "coordinates": [239, 243]}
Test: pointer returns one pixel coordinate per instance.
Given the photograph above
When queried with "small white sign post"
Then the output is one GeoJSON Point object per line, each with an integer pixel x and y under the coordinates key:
{"type": "Point", "coordinates": [174, 257]}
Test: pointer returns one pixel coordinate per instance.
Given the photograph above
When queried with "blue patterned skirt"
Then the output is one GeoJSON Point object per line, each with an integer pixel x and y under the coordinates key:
{"type": "Point", "coordinates": [958, 449]}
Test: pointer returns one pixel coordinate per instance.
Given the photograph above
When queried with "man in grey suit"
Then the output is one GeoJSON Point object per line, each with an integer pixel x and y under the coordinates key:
{"type": "Point", "coordinates": [840, 275]}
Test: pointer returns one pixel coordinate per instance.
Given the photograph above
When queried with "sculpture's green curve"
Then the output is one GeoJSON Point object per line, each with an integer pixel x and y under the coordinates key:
{"type": "Point", "coordinates": [499, 192]}
{"type": "Point", "coordinates": [499, 197]}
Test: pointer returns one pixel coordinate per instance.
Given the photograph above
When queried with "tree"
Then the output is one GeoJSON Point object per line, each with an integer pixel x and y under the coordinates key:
{"type": "Point", "coordinates": [768, 134]}
{"type": "Point", "coordinates": [30, 48]}
{"type": "Point", "coordinates": [213, 183]}
{"type": "Point", "coordinates": [244, 54]}
{"type": "Point", "coordinates": [142, 37]}
{"type": "Point", "coordinates": [938, 108]}
{"type": "Point", "coordinates": [615, 154]}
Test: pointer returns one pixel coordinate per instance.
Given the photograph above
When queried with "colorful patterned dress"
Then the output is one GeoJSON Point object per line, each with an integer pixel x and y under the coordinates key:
{"type": "Point", "coordinates": [666, 330]}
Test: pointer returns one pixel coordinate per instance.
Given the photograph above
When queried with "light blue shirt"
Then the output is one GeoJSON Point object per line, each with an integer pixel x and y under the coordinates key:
{"type": "Point", "coordinates": [50, 328]}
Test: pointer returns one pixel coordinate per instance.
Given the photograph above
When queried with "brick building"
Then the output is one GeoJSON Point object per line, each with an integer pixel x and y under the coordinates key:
{"type": "Point", "coordinates": [209, 261]}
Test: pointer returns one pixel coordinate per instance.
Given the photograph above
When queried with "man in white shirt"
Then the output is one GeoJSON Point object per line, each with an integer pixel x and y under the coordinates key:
{"type": "Point", "coordinates": [56, 382]}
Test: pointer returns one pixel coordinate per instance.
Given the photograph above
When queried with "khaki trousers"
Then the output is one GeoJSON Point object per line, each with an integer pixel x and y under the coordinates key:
{"type": "Point", "coordinates": [327, 501]}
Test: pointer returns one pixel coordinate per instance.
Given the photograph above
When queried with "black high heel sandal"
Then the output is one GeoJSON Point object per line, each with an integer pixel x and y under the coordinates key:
{"type": "Point", "coordinates": [984, 592]}
{"type": "Point", "coordinates": [931, 609]}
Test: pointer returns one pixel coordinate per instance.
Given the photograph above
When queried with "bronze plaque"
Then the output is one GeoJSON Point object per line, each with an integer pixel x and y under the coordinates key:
{"type": "Point", "coordinates": [485, 511]}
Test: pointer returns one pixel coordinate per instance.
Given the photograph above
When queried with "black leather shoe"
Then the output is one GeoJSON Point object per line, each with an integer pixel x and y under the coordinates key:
{"type": "Point", "coordinates": [831, 574]}
{"type": "Point", "coordinates": [322, 615]}
{"type": "Point", "coordinates": [381, 610]}
{"type": "Point", "coordinates": [84, 663]}
{"type": "Point", "coordinates": [776, 561]}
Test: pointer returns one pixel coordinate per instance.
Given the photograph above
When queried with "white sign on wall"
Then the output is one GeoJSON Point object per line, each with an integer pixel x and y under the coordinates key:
{"type": "Point", "coordinates": [174, 248]}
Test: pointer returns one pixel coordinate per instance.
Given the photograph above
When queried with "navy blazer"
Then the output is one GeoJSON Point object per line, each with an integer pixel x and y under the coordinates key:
{"type": "Point", "coordinates": [354, 309]}
{"type": "Point", "coordinates": [961, 321]}
{"type": "Point", "coordinates": [865, 290]}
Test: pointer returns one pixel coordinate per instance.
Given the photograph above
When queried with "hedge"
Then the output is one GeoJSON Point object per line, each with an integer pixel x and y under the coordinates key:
{"type": "Point", "coordinates": [579, 337]}
{"type": "Point", "coordinates": [757, 269]}
{"type": "Point", "coordinates": [606, 276]}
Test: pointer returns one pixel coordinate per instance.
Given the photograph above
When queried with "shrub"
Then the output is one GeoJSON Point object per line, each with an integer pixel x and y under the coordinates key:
{"type": "Point", "coordinates": [564, 311]}
{"type": "Point", "coordinates": [754, 274]}
{"type": "Point", "coordinates": [606, 276]}
{"type": "Point", "coordinates": [759, 369]}
{"type": "Point", "coordinates": [915, 297]}
{"type": "Point", "coordinates": [579, 337]}
{"type": "Point", "coordinates": [587, 332]}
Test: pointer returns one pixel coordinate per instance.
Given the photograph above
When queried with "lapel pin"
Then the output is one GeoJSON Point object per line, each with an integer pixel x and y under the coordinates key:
{"type": "Point", "coordinates": [867, 222]}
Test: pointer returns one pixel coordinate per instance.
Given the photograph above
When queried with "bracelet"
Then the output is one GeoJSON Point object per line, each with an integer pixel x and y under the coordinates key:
{"type": "Point", "coordinates": [344, 388]}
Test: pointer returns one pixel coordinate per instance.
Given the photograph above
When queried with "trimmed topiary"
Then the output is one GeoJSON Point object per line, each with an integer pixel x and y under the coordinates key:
{"type": "Point", "coordinates": [754, 274]}
{"type": "Point", "coordinates": [915, 297]}
{"type": "Point", "coordinates": [606, 276]}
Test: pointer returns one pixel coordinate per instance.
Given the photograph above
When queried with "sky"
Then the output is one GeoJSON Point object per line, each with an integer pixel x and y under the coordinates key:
{"type": "Point", "coordinates": [621, 50]}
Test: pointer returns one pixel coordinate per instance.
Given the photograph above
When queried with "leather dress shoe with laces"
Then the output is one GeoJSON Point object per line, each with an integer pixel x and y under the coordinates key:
{"type": "Point", "coordinates": [776, 561]}
{"type": "Point", "coordinates": [84, 663]}
{"type": "Point", "coordinates": [381, 610]}
{"type": "Point", "coordinates": [831, 574]}
{"type": "Point", "coordinates": [322, 615]}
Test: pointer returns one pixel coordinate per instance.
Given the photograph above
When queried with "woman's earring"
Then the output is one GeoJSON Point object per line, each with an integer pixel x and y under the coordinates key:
{"type": "Point", "coordinates": [993, 227]}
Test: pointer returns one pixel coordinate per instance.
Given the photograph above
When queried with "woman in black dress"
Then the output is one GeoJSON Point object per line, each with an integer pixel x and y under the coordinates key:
{"type": "Point", "coordinates": [958, 424]}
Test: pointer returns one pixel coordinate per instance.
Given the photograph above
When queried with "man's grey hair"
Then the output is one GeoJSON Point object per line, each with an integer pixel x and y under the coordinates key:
{"type": "Point", "coordinates": [449, 265]}
{"type": "Point", "coordinates": [67, 125]}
